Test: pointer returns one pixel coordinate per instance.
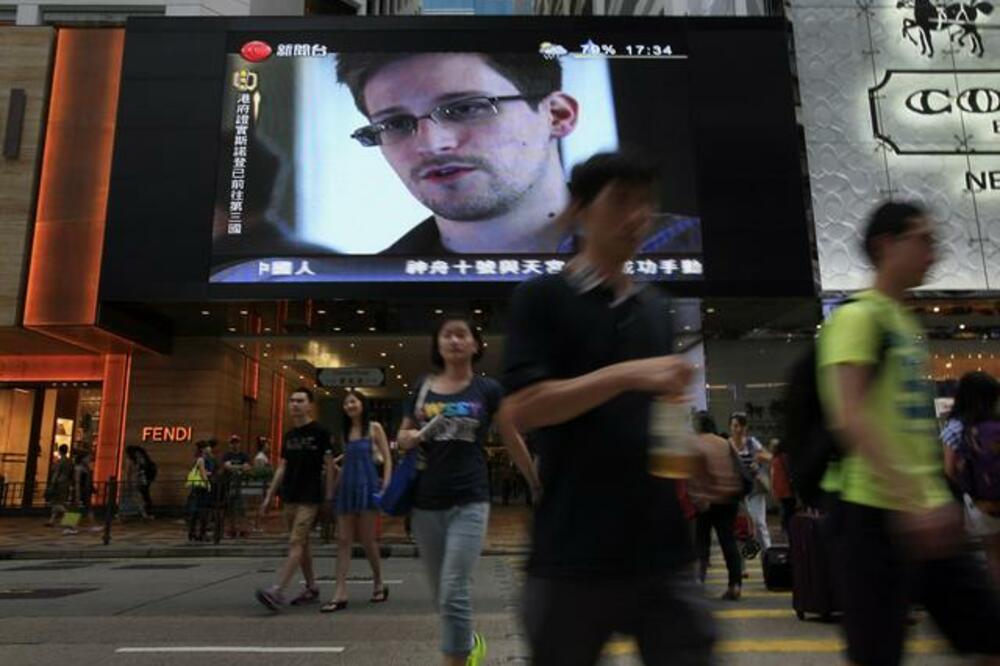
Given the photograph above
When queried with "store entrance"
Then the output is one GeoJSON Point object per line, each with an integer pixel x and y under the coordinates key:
{"type": "Point", "coordinates": [35, 420]}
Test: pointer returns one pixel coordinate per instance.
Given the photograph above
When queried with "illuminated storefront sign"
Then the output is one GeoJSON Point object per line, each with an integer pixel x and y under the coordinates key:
{"type": "Point", "coordinates": [921, 112]}
{"type": "Point", "coordinates": [159, 433]}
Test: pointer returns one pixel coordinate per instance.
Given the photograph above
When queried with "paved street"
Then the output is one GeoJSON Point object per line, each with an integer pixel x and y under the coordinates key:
{"type": "Point", "coordinates": [155, 611]}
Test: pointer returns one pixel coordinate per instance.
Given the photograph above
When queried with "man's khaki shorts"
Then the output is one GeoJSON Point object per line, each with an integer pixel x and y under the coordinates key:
{"type": "Point", "coordinates": [300, 519]}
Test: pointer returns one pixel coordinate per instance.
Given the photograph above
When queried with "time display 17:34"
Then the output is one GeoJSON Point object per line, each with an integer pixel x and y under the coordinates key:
{"type": "Point", "coordinates": [648, 50]}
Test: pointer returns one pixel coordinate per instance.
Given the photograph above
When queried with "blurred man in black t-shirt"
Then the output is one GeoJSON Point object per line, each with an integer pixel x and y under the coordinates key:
{"type": "Point", "coordinates": [587, 353]}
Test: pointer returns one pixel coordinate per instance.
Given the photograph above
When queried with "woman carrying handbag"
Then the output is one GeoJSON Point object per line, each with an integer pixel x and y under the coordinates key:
{"type": "Point", "coordinates": [449, 421]}
{"type": "Point", "coordinates": [754, 456]}
{"type": "Point", "coordinates": [720, 514]}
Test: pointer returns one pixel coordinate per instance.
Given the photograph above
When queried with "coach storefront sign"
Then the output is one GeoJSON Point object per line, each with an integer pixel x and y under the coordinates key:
{"type": "Point", "coordinates": [902, 100]}
{"type": "Point", "coordinates": [350, 377]}
{"type": "Point", "coordinates": [927, 112]}
{"type": "Point", "coordinates": [166, 433]}
{"type": "Point", "coordinates": [924, 112]}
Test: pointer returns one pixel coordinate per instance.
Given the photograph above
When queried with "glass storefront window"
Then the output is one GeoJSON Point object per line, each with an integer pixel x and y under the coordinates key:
{"type": "Point", "coordinates": [34, 422]}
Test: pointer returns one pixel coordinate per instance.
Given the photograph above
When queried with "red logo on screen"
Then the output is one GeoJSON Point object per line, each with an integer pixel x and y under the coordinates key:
{"type": "Point", "coordinates": [256, 51]}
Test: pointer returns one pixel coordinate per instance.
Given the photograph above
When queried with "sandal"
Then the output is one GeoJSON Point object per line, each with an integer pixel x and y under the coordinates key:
{"type": "Point", "coordinates": [380, 596]}
{"type": "Point", "coordinates": [333, 606]}
{"type": "Point", "coordinates": [308, 595]}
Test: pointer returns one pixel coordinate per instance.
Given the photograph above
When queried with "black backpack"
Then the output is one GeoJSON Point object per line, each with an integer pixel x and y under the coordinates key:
{"type": "Point", "coordinates": [810, 444]}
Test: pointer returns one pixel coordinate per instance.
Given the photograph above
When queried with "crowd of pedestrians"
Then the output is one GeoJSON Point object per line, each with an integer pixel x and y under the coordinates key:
{"type": "Point", "coordinates": [617, 545]}
{"type": "Point", "coordinates": [70, 489]}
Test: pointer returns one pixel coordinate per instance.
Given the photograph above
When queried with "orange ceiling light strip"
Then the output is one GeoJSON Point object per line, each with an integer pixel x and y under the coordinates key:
{"type": "Point", "coordinates": [51, 368]}
{"type": "Point", "coordinates": [251, 378]}
{"type": "Point", "coordinates": [76, 171]}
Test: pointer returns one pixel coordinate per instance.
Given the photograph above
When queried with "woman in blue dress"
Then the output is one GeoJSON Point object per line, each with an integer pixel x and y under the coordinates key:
{"type": "Point", "coordinates": [364, 439]}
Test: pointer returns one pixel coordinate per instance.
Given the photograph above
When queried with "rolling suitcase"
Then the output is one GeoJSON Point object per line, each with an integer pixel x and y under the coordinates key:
{"type": "Point", "coordinates": [777, 563]}
{"type": "Point", "coordinates": [813, 591]}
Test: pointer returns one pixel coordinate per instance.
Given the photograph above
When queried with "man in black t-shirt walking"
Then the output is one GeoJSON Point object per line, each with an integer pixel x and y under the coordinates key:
{"type": "Point", "coordinates": [587, 353]}
{"type": "Point", "coordinates": [306, 461]}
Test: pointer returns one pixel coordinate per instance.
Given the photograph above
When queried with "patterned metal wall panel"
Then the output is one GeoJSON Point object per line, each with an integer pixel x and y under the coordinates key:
{"type": "Point", "coordinates": [855, 63]}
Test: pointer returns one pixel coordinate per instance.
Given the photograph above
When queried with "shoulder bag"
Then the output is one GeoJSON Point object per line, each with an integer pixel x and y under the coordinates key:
{"type": "Point", "coordinates": [397, 498]}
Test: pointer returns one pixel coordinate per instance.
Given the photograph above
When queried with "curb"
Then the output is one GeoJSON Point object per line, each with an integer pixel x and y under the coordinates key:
{"type": "Point", "coordinates": [192, 552]}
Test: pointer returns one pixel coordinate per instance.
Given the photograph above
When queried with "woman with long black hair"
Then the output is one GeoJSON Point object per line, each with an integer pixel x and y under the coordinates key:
{"type": "Point", "coordinates": [449, 420]}
{"type": "Point", "coordinates": [357, 485]}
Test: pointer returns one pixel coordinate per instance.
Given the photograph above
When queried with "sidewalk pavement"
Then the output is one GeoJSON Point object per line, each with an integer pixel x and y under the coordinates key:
{"type": "Point", "coordinates": [25, 537]}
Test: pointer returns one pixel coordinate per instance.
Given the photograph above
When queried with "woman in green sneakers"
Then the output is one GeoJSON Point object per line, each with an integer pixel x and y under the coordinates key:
{"type": "Point", "coordinates": [449, 420]}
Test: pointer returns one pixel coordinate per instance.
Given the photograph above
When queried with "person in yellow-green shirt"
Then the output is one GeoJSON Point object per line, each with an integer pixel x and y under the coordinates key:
{"type": "Point", "coordinates": [897, 527]}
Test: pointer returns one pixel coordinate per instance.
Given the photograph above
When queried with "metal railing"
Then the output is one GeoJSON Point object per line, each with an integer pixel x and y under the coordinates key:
{"type": "Point", "coordinates": [12, 495]}
{"type": "Point", "coordinates": [230, 501]}
{"type": "Point", "coordinates": [229, 506]}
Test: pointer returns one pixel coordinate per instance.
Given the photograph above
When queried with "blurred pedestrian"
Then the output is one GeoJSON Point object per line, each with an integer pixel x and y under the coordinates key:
{"type": "Point", "coordinates": [263, 457]}
{"type": "Point", "coordinates": [588, 351]}
{"type": "Point", "coordinates": [261, 475]}
{"type": "Point", "coordinates": [449, 420]}
{"type": "Point", "coordinates": [897, 528]}
{"type": "Point", "coordinates": [83, 490]}
{"type": "Point", "coordinates": [756, 458]}
{"type": "Point", "coordinates": [133, 478]}
{"type": "Point", "coordinates": [199, 482]}
{"type": "Point", "coordinates": [147, 475]}
{"type": "Point", "coordinates": [358, 485]}
{"type": "Point", "coordinates": [235, 466]}
{"type": "Point", "coordinates": [305, 478]}
{"type": "Point", "coordinates": [976, 403]}
{"type": "Point", "coordinates": [781, 486]}
{"type": "Point", "coordinates": [719, 516]}
{"type": "Point", "coordinates": [60, 485]}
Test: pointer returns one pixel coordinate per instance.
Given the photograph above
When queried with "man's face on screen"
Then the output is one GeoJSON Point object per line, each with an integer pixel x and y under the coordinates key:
{"type": "Point", "coordinates": [461, 171]}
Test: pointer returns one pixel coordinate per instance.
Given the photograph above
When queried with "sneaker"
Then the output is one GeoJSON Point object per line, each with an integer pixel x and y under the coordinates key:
{"type": "Point", "coordinates": [478, 655]}
{"type": "Point", "coordinates": [308, 595]}
{"type": "Point", "coordinates": [272, 599]}
{"type": "Point", "coordinates": [70, 530]}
